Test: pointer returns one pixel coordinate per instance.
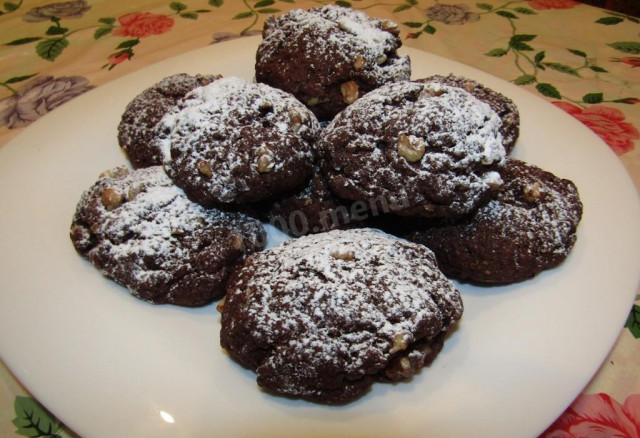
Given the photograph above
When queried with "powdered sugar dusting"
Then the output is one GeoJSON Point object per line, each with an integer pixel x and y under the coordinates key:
{"type": "Point", "coordinates": [462, 147]}
{"type": "Point", "coordinates": [226, 126]}
{"type": "Point", "coordinates": [545, 208]}
{"type": "Point", "coordinates": [342, 300]}
{"type": "Point", "coordinates": [151, 233]}
{"type": "Point", "coordinates": [347, 33]}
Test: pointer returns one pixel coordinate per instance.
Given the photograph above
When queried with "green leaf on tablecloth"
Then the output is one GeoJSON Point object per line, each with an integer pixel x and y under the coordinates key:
{"type": "Point", "coordinates": [16, 79]}
{"type": "Point", "coordinates": [610, 20]}
{"type": "Point", "coordinates": [524, 80]}
{"type": "Point", "coordinates": [33, 420]}
{"type": "Point", "coordinates": [128, 44]}
{"type": "Point", "coordinates": [598, 69]}
{"type": "Point", "coordinates": [632, 47]}
{"type": "Point", "coordinates": [107, 20]}
{"type": "Point", "coordinates": [189, 15]}
{"type": "Point", "coordinates": [51, 48]}
{"type": "Point", "coordinates": [242, 15]}
{"type": "Point", "coordinates": [413, 24]}
{"type": "Point", "coordinates": [429, 29]}
{"type": "Point", "coordinates": [55, 30]}
{"type": "Point", "coordinates": [633, 321]}
{"type": "Point", "coordinates": [216, 3]}
{"type": "Point", "coordinates": [548, 90]}
{"type": "Point", "coordinates": [21, 41]}
{"type": "Point", "coordinates": [343, 3]}
{"type": "Point", "coordinates": [402, 8]}
{"type": "Point", "coordinates": [203, 11]}
{"type": "Point", "coordinates": [507, 14]}
{"type": "Point", "coordinates": [525, 11]}
{"type": "Point", "coordinates": [178, 7]}
{"type": "Point", "coordinates": [11, 7]}
{"type": "Point", "coordinates": [579, 53]}
{"type": "Point", "coordinates": [484, 6]}
{"type": "Point", "coordinates": [539, 57]}
{"type": "Point", "coordinates": [562, 68]}
{"type": "Point", "coordinates": [412, 2]}
{"type": "Point", "coordinates": [517, 42]}
{"type": "Point", "coordinates": [496, 52]}
{"type": "Point", "coordinates": [102, 31]}
{"type": "Point", "coordinates": [593, 98]}
{"type": "Point", "coordinates": [263, 3]}
{"type": "Point", "coordinates": [288, 1]}
{"type": "Point", "coordinates": [269, 10]}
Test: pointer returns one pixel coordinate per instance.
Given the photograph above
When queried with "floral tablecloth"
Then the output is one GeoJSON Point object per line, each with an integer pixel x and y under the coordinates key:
{"type": "Point", "coordinates": [582, 59]}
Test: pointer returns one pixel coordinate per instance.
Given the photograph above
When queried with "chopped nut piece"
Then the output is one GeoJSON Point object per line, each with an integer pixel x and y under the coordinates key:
{"type": "Point", "coordinates": [111, 199]}
{"type": "Point", "coordinates": [266, 161]}
{"type": "Point", "coordinates": [381, 59]}
{"type": "Point", "coordinates": [313, 101]}
{"type": "Point", "coordinates": [359, 63]}
{"type": "Point", "coordinates": [405, 363]}
{"type": "Point", "coordinates": [349, 92]}
{"type": "Point", "coordinates": [296, 120]}
{"type": "Point", "coordinates": [220, 305]}
{"type": "Point", "coordinates": [344, 254]}
{"type": "Point", "coordinates": [205, 169]}
{"type": "Point", "coordinates": [237, 242]}
{"type": "Point", "coordinates": [390, 27]}
{"type": "Point", "coordinates": [532, 192]}
{"type": "Point", "coordinates": [134, 191]}
{"type": "Point", "coordinates": [399, 343]}
{"type": "Point", "coordinates": [117, 173]}
{"type": "Point", "coordinates": [411, 148]}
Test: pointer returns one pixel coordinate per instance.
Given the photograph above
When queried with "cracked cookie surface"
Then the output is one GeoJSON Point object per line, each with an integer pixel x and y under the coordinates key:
{"type": "Point", "coordinates": [324, 316]}
{"type": "Point", "coordinates": [140, 230]}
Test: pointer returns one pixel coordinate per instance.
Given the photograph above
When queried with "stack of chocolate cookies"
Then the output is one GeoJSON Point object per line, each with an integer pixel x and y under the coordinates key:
{"type": "Point", "coordinates": [390, 186]}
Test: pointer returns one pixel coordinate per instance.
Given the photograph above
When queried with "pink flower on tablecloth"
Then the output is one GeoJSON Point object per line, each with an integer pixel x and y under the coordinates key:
{"type": "Point", "coordinates": [598, 416]}
{"type": "Point", "coordinates": [609, 123]}
{"type": "Point", "coordinates": [39, 96]}
{"type": "Point", "coordinates": [143, 24]}
{"type": "Point", "coordinates": [552, 4]}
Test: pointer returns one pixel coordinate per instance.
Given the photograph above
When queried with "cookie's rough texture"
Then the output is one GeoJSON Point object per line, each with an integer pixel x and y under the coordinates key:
{"type": "Point", "coordinates": [329, 56]}
{"type": "Point", "coordinates": [233, 142]}
{"type": "Point", "coordinates": [136, 131]}
{"type": "Point", "coordinates": [502, 105]}
{"type": "Point", "coordinates": [140, 230]}
{"type": "Point", "coordinates": [311, 209]}
{"type": "Point", "coordinates": [529, 226]}
{"type": "Point", "coordinates": [427, 149]}
{"type": "Point", "coordinates": [323, 316]}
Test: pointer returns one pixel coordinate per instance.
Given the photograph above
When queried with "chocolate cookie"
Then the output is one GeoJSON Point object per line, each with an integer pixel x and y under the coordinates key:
{"type": "Point", "coordinates": [329, 56]}
{"type": "Point", "coordinates": [502, 105]}
{"type": "Point", "coordinates": [233, 142]}
{"type": "Point", "coordinates": [323, 316]}
{"type": "Point", "coordinates": [529, 226]}
{"type": "Point", "coordinates": [311, 209]}
{"type": "Point", "coordinates": [136, 131]}
{"type": "Point", "coordinates": [140, 230]}
{"type": "Point", "coordinates": [428, 150]}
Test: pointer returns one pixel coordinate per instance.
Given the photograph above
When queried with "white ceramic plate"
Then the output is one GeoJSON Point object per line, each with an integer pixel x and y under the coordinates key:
{"type": "Point", "coordinates": [109, 365]}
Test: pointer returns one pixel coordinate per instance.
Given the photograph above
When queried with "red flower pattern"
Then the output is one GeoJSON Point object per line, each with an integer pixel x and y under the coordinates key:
{"type": "Point", "coordinates": [608, 123]}
{"type": "Point", "coordinates": [119, 58]}
{"type": "Point", "coordinates": [552, 4]}
{"type": "Point", "coordinates": [140, 25]}
{"type": "Point", "coordinates": [633, 61]}
{"type": "Point", "coordinates": [598, 416]}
